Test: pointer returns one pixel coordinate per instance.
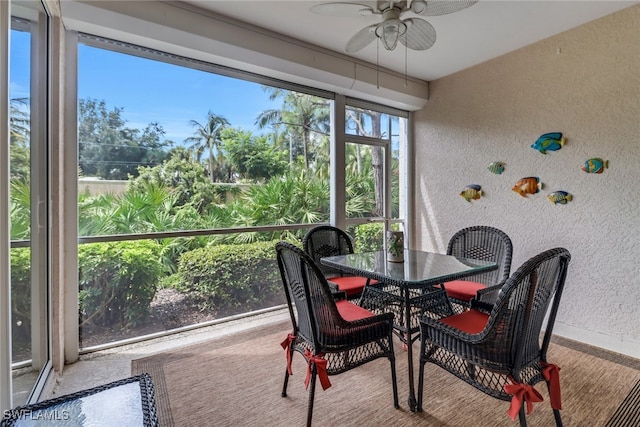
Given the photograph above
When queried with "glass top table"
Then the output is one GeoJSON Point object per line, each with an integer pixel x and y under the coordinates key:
{"type": "Point", "coordinates": [128, 402]}
{"type": "Point", "coordinates": [418, 269]}
{"type": "Point", "coordinates": [417, 274]}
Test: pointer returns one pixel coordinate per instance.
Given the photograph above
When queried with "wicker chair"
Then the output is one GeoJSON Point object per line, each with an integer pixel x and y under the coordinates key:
{"type": "Point", "coordinates": [500, 352]}
{"type": "Point", "coordinates": [483, 243]}
{"type": "Point", "coordinates": [327, 240]}
{"type": "Point", "coordinates": [333, 336]}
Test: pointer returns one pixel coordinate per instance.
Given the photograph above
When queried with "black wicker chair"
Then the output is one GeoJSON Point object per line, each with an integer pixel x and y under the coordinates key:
{"type": "Point", "coordinates": [483, 243]}
{"type": "Point", "coordinates": [327, 240]}
{"type": "Point", "coordinates": [332, 336]}
{"type": "Point", "coordinates": [500, 352]}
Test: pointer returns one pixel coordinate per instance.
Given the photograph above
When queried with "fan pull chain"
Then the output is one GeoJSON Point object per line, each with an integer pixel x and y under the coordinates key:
{"type": "Point", "coordinates": [406, 61]}
{"type": "Point", "coordinates": [377, 63]}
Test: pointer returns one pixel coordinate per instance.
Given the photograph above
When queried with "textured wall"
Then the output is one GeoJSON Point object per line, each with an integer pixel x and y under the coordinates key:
{"type": "Point", "coordinates": [585, 83]}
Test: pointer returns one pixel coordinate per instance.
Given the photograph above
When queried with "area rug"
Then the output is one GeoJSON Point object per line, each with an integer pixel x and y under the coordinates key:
{"type": "Point", "coordinates": [237, 381]}
{"type": "Point", "coordinates": [628, 413]}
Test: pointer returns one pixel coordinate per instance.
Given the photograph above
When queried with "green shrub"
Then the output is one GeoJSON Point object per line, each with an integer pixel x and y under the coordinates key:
{"type": "Point", "coordinates": [369, 237]}
{"type": "Point", "coordinates": [118, 281]}
{"type": "Point", "coordinates": [21, 295]}
{"type": "Point", "coordinates": [226, 277]}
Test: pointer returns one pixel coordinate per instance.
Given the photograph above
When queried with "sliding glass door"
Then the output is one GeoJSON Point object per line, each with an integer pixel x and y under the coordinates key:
{"type": "Point", "coordinates": [27, 178]}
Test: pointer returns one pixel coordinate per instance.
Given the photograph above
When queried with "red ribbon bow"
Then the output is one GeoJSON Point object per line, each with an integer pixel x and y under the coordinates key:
{"type": "Point", "coordinates": [551, 374]}
{"type": "Point", "coordinates": [321, 367]}
{"type": "Point", "coordinates": [286, 344]}
{"type": "Point", "coordinates": [521, 393]}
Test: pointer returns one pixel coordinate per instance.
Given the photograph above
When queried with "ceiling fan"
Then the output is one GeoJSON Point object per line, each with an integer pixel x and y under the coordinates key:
{"type": "Point", "coordinates": [415, 33]}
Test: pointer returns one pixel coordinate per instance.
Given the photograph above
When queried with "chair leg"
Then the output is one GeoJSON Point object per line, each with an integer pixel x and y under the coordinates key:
{"type": "Point", "coordinates": [522, 416]}
{"type": "Point", "coordinates": [286, 382]}
{"type": "Point", "coordinates": [556, 412]}
{"type": "Point", "coordinates": [394, 381]}
{"type": "Point", "coordinates": [422, 362]}
{"type": "Point", "coordinates": [312, 392]}
{"type": "Point", "coordinates": [556, 415]}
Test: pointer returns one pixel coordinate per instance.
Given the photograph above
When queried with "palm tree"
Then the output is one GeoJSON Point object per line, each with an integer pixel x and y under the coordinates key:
{"type": "Point", "coordinates": [19, 137]}
{"type": "Point", "coordinates": [357, 119]}
{"type": "Point", "coordinates": [208, 138]}
{"type": "Point", "coordinates": [19, 121]}
{"type": "Point", "coordinates": [303, 115]}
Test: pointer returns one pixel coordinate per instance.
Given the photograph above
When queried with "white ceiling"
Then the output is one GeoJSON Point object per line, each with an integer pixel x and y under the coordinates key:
{"type": "Point", "coordinates": [483, 31]}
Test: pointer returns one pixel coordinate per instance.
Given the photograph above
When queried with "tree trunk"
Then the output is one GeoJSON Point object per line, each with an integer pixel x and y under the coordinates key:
{"type": "Point", "coordinates": [377, 162]}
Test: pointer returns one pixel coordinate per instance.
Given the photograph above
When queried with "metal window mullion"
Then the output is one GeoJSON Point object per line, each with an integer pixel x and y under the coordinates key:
{"type": "Point", "coordinates": [5, 235]}
{"type": "Point", "coordinates": [338, 204]}
{"type": "Point", "coordinates": [39, 198]}
{"type": "Point", "coordinates": [368, 105]}
{"type": "Point", "coordinates": [366, 140]}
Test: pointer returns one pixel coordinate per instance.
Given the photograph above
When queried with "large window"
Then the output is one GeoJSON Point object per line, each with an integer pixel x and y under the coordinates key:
{"type": "Point", "coordinates": [376, 138]}
{"type": "Point", "coordinates": [189, 174]}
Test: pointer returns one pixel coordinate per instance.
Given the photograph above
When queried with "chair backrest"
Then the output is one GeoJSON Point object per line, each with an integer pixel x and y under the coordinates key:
{"type": "Point", "coordinates": [517, 317]}
{"type": "Point", "coordinates": [308, 293]}
{"type": "Point", "coordinates": [326, 240]}
{"type": "Point", "coordinates": [487, 244]}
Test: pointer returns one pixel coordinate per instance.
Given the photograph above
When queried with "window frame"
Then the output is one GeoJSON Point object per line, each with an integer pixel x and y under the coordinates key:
{"type": "Point", "coordinates": [337, 148]}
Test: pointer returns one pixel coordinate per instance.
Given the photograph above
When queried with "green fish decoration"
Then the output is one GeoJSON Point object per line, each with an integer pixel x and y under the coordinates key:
{"type": "Point", "coordinates": [496, 167]}
{"type": "Point", "coordinates": [552, 141]}
{"type": "Point", "coordinates": [595, 165]}
{"type": "Point", "coordinates": [559, 197]}
{"type": "Point", "coordinates": [471, 192]}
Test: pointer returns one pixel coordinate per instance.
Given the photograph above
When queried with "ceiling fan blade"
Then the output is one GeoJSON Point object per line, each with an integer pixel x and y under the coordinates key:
{"type": "Point", "coordinates": [440, 7]}
{"type": "Point", "coordinates": [342, 9]}
{"type": "Point", "coordinates": [420, 34]}
{"type": "Point", "coordinates": [361, 39]}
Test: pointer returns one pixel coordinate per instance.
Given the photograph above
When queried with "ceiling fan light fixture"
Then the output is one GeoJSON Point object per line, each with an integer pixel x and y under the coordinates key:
{"type": "Point", "coordinates": [390, 32]}
{"type": "Point", "coordinates": [418, 6]}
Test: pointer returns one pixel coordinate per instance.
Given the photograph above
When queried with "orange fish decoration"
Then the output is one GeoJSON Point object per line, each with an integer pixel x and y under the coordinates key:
{"type": "Point", "coordinates": [528, 185]}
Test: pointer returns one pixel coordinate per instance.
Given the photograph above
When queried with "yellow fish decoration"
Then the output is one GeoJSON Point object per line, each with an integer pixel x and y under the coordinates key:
{"type": "Point", "coordinates": [471, 192]}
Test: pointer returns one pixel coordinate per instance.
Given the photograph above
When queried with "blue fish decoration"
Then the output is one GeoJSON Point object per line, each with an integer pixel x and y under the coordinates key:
{"type": "Point", "coordinates": [559, 197]}
{"type": "Point", "coordinates": [552, 141]}
{"type": "Point", "coordinates": [496, 167]}
{"type": "Point", "coordinates": [595, 165]}
{"type": "Point", "coordinates": [471, 192]}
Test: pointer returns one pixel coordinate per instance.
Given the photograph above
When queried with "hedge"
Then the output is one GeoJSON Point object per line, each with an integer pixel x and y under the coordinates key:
{"type": "Point", "coordinates": [231, 276]}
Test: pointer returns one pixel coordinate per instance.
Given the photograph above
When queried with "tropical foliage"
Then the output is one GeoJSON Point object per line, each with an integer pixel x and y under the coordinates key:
{"type": "Point", "coordinates": [110, 150]}
{"type": "Point", "coordinates": [220, 178]}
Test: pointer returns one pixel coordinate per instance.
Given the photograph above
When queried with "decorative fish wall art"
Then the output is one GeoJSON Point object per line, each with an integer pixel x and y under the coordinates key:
{"type": "Point", "coordinates": [559, 197]}
{"type": "Point", "coordinates": [528, 185]}
{"type": "Point", "coordinates": [595, 165]}
{"type": "Point", "coordinates": [496, 167]}
{"type": "Point", "coordinates": [552, 141]}
{"type": "Point", "coordinates": [471, 192]}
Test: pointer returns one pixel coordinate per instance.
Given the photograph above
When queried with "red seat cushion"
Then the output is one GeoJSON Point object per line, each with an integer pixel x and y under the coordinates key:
{"type": "Point", "coordinates": [470, 321]}
{"type": "Point", "coordinates": [350, 312]}
{"type": "Point", "coordinates": [463, 290]}
{"type": "Point", "coordinates": [351, 285]}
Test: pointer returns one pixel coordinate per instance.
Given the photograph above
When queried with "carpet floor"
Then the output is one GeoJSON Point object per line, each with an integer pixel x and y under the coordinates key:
{"type": "Point", "coordinates": [237, 380]}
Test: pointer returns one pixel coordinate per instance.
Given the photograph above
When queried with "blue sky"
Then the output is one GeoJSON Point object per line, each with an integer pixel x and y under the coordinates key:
{"type": "Point", "coordinates": [19, 65]}
{"type": "Point", "coordinates": [152, 91]}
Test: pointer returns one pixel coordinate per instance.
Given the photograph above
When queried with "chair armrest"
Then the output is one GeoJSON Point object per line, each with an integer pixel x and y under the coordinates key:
{"type": "Point", "coordinates": [338, 295]}
{"type": "Point", "coordinates": [485, 298]}
{"type": "Point", "coordinates": [481, 306]}
{"type": "Point", "coordinates": [445, 335]}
